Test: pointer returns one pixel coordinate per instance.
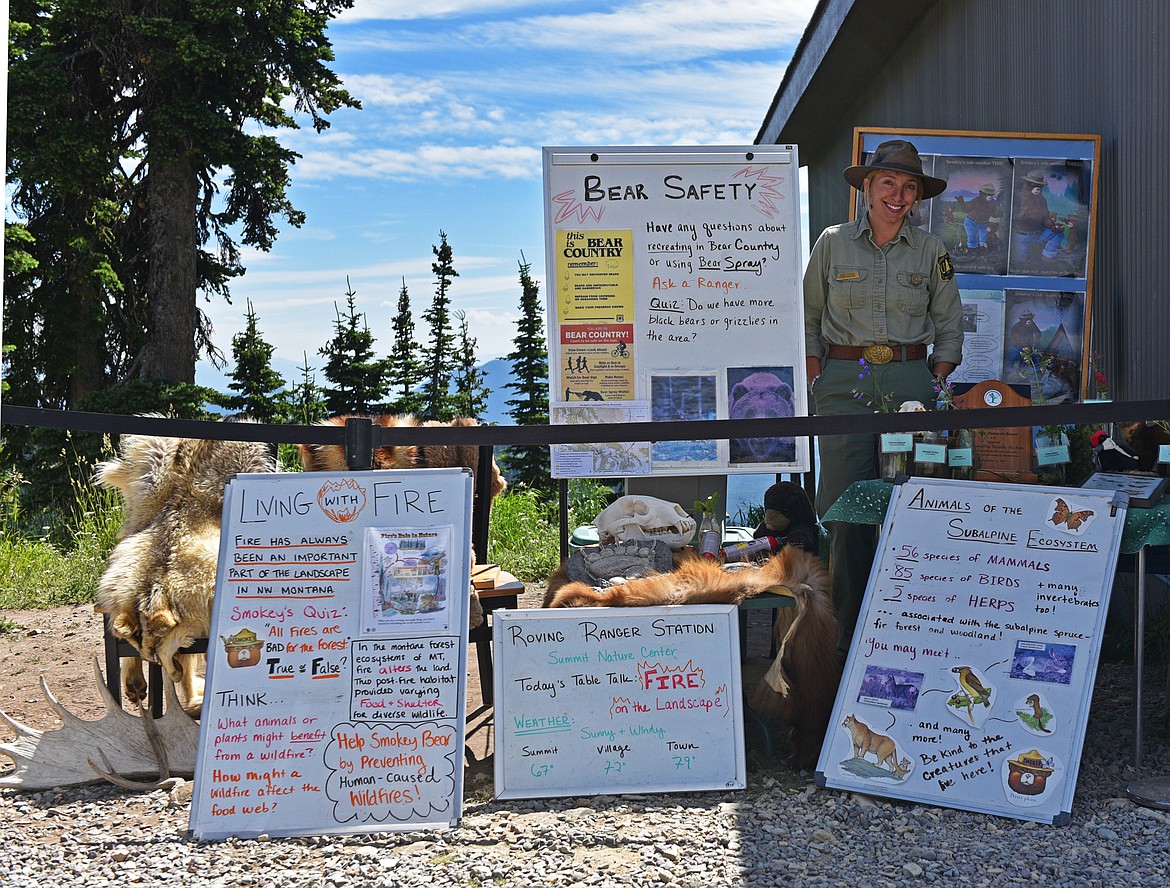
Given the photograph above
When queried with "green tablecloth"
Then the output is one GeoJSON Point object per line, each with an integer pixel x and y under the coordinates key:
{"type": "Point", "coordinates": [865, 502]}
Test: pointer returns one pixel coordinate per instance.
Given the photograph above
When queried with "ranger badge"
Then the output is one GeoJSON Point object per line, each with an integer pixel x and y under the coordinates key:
{"type": "Point", "coordinates": [945, 269]}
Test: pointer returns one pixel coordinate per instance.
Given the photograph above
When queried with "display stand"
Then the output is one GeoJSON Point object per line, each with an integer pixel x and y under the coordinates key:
{"type": "Point", "coordinates": [614, 700]}
{"type": "Point", "coordinates": [336, 677]}
{"type": "Point", "coordinates": [971, 670]}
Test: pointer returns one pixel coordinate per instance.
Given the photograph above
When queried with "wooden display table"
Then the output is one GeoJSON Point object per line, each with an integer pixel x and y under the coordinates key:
{"type": "Point", "coordinates": [497, 589]}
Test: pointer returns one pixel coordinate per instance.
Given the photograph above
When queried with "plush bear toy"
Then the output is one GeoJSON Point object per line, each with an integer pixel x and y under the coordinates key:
{"type": "Point", "coordinates": [789, 516]}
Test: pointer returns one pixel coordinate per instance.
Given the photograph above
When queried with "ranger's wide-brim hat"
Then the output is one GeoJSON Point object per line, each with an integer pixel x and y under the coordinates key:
{"type": "Point", "coordinates": [898, 156]}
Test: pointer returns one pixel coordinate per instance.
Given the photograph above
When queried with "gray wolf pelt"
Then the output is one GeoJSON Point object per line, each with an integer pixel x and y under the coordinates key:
{"type": "Point", "coordinates": [799, 688]}
{"type": "Point", "coordinates": [158, 584]}
{"type": "Point", "coordinates": [331, 457]}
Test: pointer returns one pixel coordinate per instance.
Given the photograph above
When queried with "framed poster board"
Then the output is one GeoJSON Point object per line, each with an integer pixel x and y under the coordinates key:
{"type": "Point", "coordinates": [335, 695]}
{"type": "Point", "coordinates": [1019, 218]}
{"type": "Point", "coordinates": [971, 670]}
{"type": "Point", "coordinates": [617, 699]}
{"type": "Point", "coordinates": [674, 294]}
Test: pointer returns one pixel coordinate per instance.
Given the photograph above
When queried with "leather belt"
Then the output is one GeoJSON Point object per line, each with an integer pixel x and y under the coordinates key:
{"type": "Point", "coordinates": [878, 354]}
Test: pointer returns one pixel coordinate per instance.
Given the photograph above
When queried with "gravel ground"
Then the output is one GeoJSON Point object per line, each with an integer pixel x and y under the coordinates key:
{"type": "Point", "coordinates": [782, 830]}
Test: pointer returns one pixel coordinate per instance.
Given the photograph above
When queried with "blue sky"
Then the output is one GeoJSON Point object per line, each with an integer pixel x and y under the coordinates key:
{"type": "Point", "coordinates": [458, 98]}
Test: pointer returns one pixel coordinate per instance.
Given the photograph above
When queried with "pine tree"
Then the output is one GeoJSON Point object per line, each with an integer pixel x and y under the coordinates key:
{"type": "Point", "coordinates": [438, 355]}
{"type": "Point", "coordinates": [470, 396]}
{"type": "Point", "coordinates": [529, 466]}
{"type": "Point", "coordinates": [305, 404]}
{"type": "Point", "coordinates": [358, 377]}
{"type": "Point", "coordinates": [403, 367]}
{"type": "Point", "coordinates": [257, 385]}
{"type": "Point", "coordinates": [141, 155]}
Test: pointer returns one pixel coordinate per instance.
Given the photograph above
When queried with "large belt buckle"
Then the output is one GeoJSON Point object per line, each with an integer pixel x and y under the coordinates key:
{"type": "Point", "coordinates": [878, 354]}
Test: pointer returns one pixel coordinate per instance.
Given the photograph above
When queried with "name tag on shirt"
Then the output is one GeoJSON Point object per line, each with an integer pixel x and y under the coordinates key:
{"type": "Point", "coordinates": [849, 276]}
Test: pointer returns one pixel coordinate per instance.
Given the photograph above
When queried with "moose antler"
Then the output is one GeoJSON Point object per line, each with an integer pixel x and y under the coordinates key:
{"type": "Point", "coordinates": [128, 745]}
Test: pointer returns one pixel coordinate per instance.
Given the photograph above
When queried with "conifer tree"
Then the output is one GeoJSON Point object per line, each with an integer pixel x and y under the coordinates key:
{"type": "Point", "coordinates": [403, 367]}
{"type": "Point", "coordinates": [529, 466]}
{"type": "Point", "coordinates": [305, 404]}
{"type": "Point", "coordinates": [470, 396]}
{"type": "Point", "coordinates": [141, 155]}
{"type": "Point", "coordinates": [256, 384]}
{"type": "Point", "coordinates": [357, 377]}
{"type": "Point", "coordinates": [438, 356]}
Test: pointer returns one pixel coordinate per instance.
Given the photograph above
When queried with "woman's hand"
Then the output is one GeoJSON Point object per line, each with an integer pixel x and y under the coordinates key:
{"type": "Point", "coordinates": [812, 368]}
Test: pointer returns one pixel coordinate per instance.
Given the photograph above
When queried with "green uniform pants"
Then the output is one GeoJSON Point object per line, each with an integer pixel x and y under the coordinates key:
{"type": "Point", "coordinates": [848, 458]}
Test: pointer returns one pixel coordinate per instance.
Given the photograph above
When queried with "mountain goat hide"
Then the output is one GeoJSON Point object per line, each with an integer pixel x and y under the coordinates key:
{"type": "Point", "coordinates": [331, 457]}
{"type": "Point", "coordinates": [158, 584]}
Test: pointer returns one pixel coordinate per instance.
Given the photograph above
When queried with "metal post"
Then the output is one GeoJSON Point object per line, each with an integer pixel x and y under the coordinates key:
{"type": "Point", "coordinates": [359, 443]}
{"type": "Point", "coordinates": [563, 494]}
{"type": "Point", "coordinates": [481, 510]}
{"type": "Point", "coordinates": [1139, 638]}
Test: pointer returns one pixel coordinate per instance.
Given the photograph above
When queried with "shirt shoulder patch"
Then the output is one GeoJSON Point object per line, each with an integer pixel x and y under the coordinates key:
{"type": "Point", "coordinates": [946, 269]}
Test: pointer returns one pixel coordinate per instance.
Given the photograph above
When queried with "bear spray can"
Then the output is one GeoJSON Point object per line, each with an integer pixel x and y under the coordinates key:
{"type": "Point", "coordinates": [710, 538]}
{"type": "Point", "coordinates": [761, 547]}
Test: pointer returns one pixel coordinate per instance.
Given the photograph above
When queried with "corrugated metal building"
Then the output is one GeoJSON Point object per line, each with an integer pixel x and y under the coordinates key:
{"type": "Point", "coordinates": [1021, 66]}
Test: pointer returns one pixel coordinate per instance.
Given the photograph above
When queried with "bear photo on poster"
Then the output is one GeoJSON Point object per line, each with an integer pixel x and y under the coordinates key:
{"type": "Point", "coordinates": [760, 393]}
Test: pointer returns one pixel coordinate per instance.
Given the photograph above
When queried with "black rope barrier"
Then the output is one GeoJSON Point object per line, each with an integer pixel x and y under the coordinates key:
{"type": "Point", "coordinates": [510, 436]}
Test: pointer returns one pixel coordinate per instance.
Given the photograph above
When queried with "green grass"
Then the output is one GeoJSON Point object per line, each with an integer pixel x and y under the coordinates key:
{"type": "Point", "coordinates": [524, 536]}
{"type": "Point", "coordinates": [58, 559]}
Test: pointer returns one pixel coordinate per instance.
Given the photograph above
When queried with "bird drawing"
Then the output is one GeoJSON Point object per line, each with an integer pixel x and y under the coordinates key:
{"type": "Point", "coordinates": [972, 685]}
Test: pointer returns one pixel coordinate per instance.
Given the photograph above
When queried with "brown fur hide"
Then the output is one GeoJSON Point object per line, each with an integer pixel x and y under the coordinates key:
{"type": "Point", "coordinates": [1143, 440]}
{"type": "Point", "coordinates": [800, 687]}
{"type": "Point", "coordinates": [158, 584]}
{"type": "Point", "coordinates": [331, 457]}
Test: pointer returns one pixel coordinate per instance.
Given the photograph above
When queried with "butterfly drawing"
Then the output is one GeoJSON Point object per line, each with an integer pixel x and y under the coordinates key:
{"type": "Point", "coordinates": [1070, 519]}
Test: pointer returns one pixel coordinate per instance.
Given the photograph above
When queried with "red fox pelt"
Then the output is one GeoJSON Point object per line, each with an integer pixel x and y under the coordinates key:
{"type": "Point", "coordinates": [159, 581]}
{"type": "Point", "coordinates": [331, 457]}
{"type": "Point", "coordinates": [799, 688]}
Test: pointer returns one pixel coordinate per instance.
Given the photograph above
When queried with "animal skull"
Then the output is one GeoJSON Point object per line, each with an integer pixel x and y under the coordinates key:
{"type": "Point", "coordinates": [645, 518]}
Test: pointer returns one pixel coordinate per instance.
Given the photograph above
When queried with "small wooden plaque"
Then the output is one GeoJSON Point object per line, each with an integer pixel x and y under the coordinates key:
{"type": "Point", "coordinates": [484, 576]}
{"type": "Point", "coordinates": [999, 450]}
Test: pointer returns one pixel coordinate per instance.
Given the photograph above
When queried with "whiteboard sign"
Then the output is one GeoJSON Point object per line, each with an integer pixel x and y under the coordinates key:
{"type": "Point", "coordinates": [336, 691]}
{"type": "Point", "coordinates": [674, 293]}
{"type": "Point", "coordinates": [613, 700]}
{"type": "Point", "coordinates": [971, 670]}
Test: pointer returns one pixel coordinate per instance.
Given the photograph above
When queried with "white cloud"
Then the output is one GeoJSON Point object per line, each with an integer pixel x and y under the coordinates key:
{"type": "Point", "coordinates": [660, 30]}
{"type": "Point", "coordinates": [392, 90]}
{"type": "Point", "coordinates": [458, 97]}
{"type": "Point", "coordinates": [413, 10]}
{"type": "Point", "coordinates": [427, 161]}
{"type": "Point", "coordinates": [652, 31]}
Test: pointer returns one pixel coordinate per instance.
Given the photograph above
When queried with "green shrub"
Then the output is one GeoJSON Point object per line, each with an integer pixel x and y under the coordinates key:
{"type": "Point", "coordinates": [55, 557]}
{"type": "Point", "coordinates": [525, 527]}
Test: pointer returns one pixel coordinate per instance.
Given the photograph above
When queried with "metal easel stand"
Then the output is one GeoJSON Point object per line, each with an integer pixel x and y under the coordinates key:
{"type": "Point", "coordinates": [1153, 792]}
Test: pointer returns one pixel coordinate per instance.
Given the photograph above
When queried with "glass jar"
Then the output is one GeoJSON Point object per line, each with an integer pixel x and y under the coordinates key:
{"type": "Point", "coordinates": [935, 467]}
{"type": "Point", "coordinates": [892, 465]}
{"type": "Point", "coordinates": [961, 457]}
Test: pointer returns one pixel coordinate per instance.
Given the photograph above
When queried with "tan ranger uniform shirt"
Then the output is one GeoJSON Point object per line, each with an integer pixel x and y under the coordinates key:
{"type": "Point", "coordinates": [858, 294]}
